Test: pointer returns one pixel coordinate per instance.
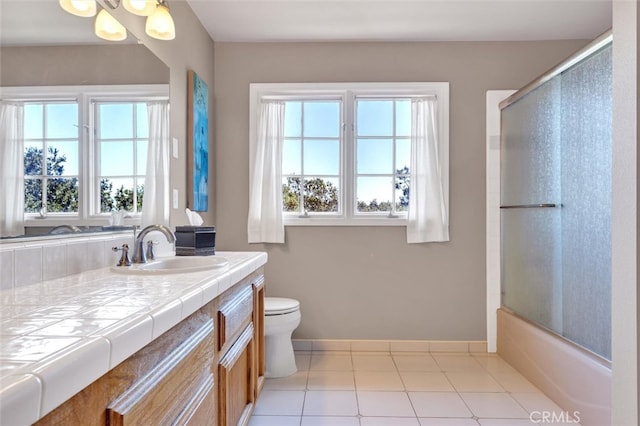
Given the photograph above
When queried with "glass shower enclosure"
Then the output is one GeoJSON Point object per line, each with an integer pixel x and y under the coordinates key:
{"type": "Point", "coordinates": [556, 200]}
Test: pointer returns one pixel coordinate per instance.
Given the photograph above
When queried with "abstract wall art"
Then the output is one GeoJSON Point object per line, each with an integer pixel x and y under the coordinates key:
{"type": "Point", "coordinates": [198, 144]}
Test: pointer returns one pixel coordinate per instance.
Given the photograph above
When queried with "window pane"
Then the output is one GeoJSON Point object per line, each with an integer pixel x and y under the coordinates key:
{"type": "Point", "coordinates": [33, 121]}
{"type": "Point", "coordinates": [403, 154]}
{"type": "Point", "coordinates": [402, 192]}
{"type": "Point", "coordinates": [375, 156]}
{"type": "Point", "coordinates": [62, 158]}
{"type": "Point", "coordinates": [141, 156]}
{"type": "Point", "coordinates": [375, 118]}
{"type": "Point", "coordinates": [142, 120]}
{"type": "Point", "coordinates": [374, 194]}
{"type": "Point", "coordinates": [62, 121]}
{"type": "Point", "coordinates": [116, 121]}
{"type": "Point", "coordinates": [403, 118]}
{"type": "Point", "coordinates": [321, 157]}
{"type": "Point", "coordinates": [32, 195]}
{"type": "Point", "coordinates": [321, 195]}
{"type": "Point", "coordinates": [32, 159]}
{"type": "Point", "coordinates": [121, 194]}
{"type": "Point", "coordinates": [62, 194]}
{"type": "Point", "coordinates": [116, 158]}
{"type": "Point", "coordinates": [292, 157]}
{"type": "Point", "coordinates": [291, 194]}
{"type": "Point", "coordinates": [322, 119]}
{"type": "Point", "coordinates": [293, 119]}
{"type": "Point", "coordinates": [139, 194]}
{"type": "Point", "coordinates": [107, 203]}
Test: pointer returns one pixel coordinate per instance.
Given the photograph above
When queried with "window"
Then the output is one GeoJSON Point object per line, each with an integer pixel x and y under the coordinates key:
{"type": "Point", "coordinates": [383, 154]}
{"type": "Point", "coordinates": [85, 149]}
{"type": "Point", "coordinates": [51, 147]}
{"type": "Point", "coordinates": [311, 157]}
{"type": "Point", "coordinates": [346, 150]}
{"type": "Point", "coordinates": [121, 140]}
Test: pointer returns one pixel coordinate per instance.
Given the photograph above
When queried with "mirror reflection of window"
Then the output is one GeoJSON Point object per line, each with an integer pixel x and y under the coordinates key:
{"type": "Point", "coordinates": [51, 168]}
{"type": "Point", "coordinates": [121, 142]}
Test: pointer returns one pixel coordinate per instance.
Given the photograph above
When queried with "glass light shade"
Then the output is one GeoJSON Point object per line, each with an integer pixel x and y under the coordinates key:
{"type": "Point", "coordinates": [140, 7]}
{"type": "Point", "coordinates": [84, 8]}
{"type": "Point", "coordinates": [108, 28]}
{"type": "Point", "coordinates": [160, 25]}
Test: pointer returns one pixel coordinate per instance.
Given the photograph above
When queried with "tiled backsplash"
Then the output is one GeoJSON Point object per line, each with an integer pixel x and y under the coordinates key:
{"type": "Point", "coordinates": [23, 263]}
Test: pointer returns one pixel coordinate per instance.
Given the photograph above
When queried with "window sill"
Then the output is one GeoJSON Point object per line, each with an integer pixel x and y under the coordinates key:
{"type": "Point", "coordinates": [324, 221]}
{"type": "Point", "coordinates": [52, 220]}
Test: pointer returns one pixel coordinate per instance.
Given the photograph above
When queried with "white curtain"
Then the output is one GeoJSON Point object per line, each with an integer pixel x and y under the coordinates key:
{"type": "Point", "coordinates": [155, 204]}
{"type": "Point", "coordinates": [11, 169]}
{"type": "Point", "coordinates": [265, 223]}
{"type": "Point", "coordinates": [428, 217]}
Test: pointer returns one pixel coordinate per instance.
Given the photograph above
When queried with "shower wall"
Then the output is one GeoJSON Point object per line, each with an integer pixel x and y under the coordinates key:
{"type": "Point", "coordinates": [556, 204]}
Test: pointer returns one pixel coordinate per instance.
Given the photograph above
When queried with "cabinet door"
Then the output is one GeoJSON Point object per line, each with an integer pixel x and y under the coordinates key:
{"type": "Point", "coordinates": [258, 321]}
{"type": "Point", "coordinates": [179, 390]}
{"type": "Point", "coordinates": [233, 316]}
{"type": "Point", "coordinates": [237, 381]}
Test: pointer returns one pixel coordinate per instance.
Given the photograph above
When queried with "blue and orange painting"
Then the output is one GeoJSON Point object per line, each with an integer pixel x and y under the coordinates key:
{"type": "Point", "coordinates": [200, 144]}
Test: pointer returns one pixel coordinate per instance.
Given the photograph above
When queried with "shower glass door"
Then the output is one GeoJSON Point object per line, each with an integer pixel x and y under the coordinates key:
{"type": "Point", "coordinates": [556, 209]}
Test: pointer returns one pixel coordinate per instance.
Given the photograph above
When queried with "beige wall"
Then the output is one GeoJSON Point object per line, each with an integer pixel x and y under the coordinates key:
{"type": "Point", "coordinates": [80, 65]}
{"type": "Point", "coordinates": [366, 282]}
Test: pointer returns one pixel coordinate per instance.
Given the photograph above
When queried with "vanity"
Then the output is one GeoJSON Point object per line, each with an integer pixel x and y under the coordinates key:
{"type": "Point", "coordinates": [107, 348]}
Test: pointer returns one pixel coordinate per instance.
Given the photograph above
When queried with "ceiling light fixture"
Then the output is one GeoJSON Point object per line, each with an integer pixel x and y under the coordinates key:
{"type": "Point", "coordinates": [84, 8]}
{"type": "Point", "coordinates": [160, 24]}
{"type": "Point", "coordinates": [140, 7]}
{"type": "Point", "coordinates": [107, 27]}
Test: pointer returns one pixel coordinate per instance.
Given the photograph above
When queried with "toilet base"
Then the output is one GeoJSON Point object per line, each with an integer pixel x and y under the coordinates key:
{"type": "Point", "coordinates": [280, 360]}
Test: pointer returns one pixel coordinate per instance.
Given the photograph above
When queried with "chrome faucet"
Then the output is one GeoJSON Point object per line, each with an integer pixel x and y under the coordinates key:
{"type": "Point", "coordinates": [139, 255]}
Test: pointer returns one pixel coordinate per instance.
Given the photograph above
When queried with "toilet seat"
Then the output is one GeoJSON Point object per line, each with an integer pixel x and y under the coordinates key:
{"type": "Point", "coordinates": [280, 306]}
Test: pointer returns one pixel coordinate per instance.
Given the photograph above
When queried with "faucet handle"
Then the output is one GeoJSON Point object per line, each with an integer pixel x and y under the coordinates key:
{"type": "Point", "coordinates": [124, 259]}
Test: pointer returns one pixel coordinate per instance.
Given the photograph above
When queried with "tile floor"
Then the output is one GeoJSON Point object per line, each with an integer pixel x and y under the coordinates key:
{"type": "Point", "coordinates": [401, 389]}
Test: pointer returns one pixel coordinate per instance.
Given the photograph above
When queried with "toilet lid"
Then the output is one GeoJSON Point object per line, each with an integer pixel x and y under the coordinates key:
{"type": "Point", "coordinates": [280, 305]}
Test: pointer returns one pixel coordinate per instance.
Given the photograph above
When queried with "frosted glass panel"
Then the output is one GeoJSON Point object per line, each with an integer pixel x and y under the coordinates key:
{"type": "Point", "coordinates": [531, 267]}
{"type": "Point", "coordinates": [530, 147]}
{"type": "Point", "coordinates": [586, 199]}
{"type": "Point", "coordinates": [556, 149]}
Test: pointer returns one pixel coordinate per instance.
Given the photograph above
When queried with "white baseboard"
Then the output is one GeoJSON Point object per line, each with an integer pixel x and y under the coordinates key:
{"type": "Point", "coordinates": [434, 346]}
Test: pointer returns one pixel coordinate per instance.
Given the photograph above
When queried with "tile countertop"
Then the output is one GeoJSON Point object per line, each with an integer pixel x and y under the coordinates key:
{"type": "Point", "coordinates": [58, 336]}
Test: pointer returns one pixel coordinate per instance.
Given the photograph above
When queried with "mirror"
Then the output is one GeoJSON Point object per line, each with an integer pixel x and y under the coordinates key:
{"type": "Point", "coordinates": [42, 45]}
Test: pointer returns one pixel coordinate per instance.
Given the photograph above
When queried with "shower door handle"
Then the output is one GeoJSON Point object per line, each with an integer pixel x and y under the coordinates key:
{"type": "Point", "coordinates": [532, 206]}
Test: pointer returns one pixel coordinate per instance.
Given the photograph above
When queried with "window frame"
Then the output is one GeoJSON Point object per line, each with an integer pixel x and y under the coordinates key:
{"type": "Point", "coordinates": [349, 92]}
{"type": "Point", "coordinates": [88, 213]}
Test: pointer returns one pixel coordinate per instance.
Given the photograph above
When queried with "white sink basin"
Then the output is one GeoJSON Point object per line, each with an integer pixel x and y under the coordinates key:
{"type": "Point", "coordinates": [174, 265]}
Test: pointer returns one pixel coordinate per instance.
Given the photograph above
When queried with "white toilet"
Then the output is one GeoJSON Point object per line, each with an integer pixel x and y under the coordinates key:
{"type": "Point", "coordinates": [282, 316]}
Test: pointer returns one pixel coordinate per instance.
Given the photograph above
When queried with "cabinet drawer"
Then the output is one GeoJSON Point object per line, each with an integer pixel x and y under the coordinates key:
{"type": "Point", "coordinates": [177, 390]}
{"type": "Point", "coordinates": [234, 315]}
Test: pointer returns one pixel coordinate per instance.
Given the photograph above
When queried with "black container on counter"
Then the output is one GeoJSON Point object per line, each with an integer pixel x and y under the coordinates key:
{"type": "Point", "coordinates": [195, 240]}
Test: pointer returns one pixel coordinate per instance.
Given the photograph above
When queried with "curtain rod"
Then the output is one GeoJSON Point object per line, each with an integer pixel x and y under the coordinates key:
{"type": "Point", "coordinates": [597, 44]}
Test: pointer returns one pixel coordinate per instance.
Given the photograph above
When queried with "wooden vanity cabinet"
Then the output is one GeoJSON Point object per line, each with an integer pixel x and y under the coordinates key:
{"type": "Point", "coordinates": [239, 352]}
{"type": "Point", "coordinates": [203, 371]}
